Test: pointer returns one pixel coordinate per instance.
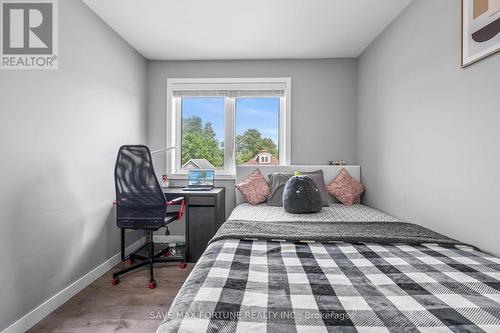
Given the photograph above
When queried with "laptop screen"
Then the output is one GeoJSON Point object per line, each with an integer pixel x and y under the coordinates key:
{"type": "Point", "coordinates": [201, 178]}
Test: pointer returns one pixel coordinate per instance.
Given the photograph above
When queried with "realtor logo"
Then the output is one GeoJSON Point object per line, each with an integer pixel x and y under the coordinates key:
{"type": "Point", "coordinates": [29, 34]}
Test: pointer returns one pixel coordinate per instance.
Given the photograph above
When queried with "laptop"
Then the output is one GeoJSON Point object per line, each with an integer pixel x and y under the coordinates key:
{"type": "Point", "coordinates": [200, 180]}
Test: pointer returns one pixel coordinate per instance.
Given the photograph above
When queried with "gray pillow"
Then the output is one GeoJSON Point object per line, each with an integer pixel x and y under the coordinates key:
{"type": "Point", "coordinates": [317, 177]}
{"type": "Point", "coordinates": [277, 181]}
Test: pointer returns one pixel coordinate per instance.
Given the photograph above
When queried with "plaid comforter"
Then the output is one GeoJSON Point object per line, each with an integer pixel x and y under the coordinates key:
{"type": "Point", "coordinates": [270, 286]}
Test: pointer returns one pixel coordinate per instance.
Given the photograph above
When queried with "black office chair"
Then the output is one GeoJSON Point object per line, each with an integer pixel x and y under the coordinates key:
{"type": "Point", "coordinates": [141, 204]}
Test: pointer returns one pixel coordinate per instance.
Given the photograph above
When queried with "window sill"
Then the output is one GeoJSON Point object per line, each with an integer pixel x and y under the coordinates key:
{"type": "Point", "coordinates": [184, 176]}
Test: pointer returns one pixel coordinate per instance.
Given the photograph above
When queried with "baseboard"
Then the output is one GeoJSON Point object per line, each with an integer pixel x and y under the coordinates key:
{"type": "Point", "coordinates": [44, 309]}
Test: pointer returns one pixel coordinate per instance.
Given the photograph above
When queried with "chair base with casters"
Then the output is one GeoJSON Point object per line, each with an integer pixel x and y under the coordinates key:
{"type": "Point", "coordinates": [152, 258]}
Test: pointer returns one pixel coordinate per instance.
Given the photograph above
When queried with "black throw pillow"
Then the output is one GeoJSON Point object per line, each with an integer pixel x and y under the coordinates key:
{"type": "Point", "coordinates": [302, 196]}
{"type": "Point", "coordinates": [277, 181]}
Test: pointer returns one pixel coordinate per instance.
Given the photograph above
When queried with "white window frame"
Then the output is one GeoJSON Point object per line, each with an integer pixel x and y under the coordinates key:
{"type": "Point", "coordinates": [173, 157]}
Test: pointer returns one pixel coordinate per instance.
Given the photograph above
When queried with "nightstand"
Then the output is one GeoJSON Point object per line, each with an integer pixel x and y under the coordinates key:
{"type": "Point", "coordinates": [205, 212]}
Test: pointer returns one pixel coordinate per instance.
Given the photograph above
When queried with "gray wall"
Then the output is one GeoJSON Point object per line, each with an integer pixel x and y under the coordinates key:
{"type": "Point", "coordinates": [60, 131]}
{"type": "Point", "coordinates": [428, 131]}
{"type": "Point", "coordinates": [323, 104]}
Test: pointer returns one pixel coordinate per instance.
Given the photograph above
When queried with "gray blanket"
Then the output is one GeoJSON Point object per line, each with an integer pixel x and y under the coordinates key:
{"type": "Point", "coordinates": [350, 232]}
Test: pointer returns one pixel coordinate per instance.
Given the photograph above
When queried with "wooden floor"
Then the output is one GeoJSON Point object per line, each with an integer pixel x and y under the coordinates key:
{"type": "Point", "coordinates": [128, 307]}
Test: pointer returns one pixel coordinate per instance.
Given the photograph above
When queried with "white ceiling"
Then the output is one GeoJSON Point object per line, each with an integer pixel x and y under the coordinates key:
{"type": "Point", "coordinates": [248, 29]}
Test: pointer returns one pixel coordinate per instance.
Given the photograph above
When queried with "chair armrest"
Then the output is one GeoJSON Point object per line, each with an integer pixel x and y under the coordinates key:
{"type": "Point", "coordinates": [177, 201]}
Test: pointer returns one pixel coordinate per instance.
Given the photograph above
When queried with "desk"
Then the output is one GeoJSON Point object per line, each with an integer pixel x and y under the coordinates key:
{"type": "Point", "coordinates": [205, 211]}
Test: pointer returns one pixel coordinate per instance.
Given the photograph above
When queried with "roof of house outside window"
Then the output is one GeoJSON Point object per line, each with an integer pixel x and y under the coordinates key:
{"type": "Point", "coordinates": [256, 159]}
{"type": "Point", "coordinates": [198, 163]}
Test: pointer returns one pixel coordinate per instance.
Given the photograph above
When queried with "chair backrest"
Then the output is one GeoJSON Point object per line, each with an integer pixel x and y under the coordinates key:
{"type": "Point", "coordinates": [139, 196]}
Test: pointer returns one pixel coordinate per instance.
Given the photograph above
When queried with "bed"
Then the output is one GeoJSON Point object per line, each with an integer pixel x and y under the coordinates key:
{"type": "Point", "coordinates": [347, 269]}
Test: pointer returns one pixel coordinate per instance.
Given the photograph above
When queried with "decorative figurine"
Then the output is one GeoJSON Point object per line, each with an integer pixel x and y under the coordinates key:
{"type": "Point", "coordinates": [165, 182]}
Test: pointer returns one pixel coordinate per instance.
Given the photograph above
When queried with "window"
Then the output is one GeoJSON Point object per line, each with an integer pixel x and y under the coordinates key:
{"type": "Point", "coordinates": [202, 133]}
{"type": "Point", "coordinates": [221, 123]}
{"type": "Point", "coordinates": [264, 159]}
{"type": "Point", "coordinates": [257, 130]}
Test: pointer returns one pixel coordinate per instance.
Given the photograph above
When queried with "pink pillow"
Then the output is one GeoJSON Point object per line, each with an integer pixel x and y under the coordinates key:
{"type": "Point", "coordinates": [254, 188]}
{"type": "Point", "coordinates": [345, 188]}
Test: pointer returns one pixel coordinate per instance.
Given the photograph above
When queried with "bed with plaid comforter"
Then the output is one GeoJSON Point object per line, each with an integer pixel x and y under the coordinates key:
{"type": "Point", "coordinates": [265, 285]}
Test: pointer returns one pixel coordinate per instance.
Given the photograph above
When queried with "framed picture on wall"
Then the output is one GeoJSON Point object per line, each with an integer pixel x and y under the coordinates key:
{"type": "Point", "coordinates": [480, 30]}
